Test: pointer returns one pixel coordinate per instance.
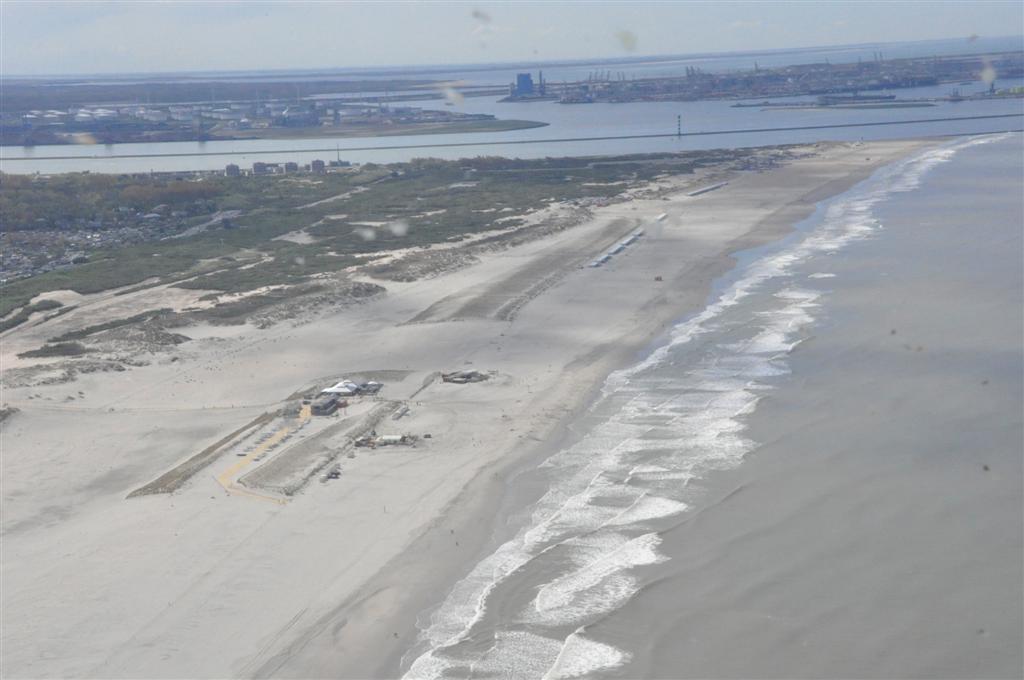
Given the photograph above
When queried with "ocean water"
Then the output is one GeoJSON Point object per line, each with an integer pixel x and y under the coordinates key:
{"type": "Point", "coordinates": [559, 599]}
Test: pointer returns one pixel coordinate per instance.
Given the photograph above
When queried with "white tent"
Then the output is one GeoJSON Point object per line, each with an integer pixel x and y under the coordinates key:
{"type": "Point", "coordinates": [345, 387]}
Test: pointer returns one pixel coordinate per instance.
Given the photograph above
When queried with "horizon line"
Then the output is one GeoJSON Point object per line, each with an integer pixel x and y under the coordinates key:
{"type": "Point", "coordinates": [483, 66]}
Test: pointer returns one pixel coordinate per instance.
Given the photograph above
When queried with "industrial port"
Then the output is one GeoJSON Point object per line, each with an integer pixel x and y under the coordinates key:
{"type": "Point", "coordinates": [824, 79]}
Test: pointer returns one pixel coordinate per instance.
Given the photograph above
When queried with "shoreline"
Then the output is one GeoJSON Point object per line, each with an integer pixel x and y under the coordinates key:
{"type": "Point", "coordinates": [486, 495]}
{"type": "Point", "coordinates": [356, 584]}
{"type": "Point", "coordinates": [840, 545]}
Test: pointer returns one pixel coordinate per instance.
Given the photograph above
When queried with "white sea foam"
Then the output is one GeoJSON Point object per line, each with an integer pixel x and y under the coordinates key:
{"type": "Point", "coordinates": [582, 656]}
{"type": "Point", "coordinates": [608, 594]}
{"type": "Point", "coordinates": [657, 473]}
{"type": "Point", "coordinates": [516, 654]}
{"type": "Point", "coordinates": [647, 508]}
{"type": "Point", "coordinates": [594, 525]}
{"type": "Point", "coordinates": [561, 591]}
{"type": "Point", "coordinates": [846, 220]}
{"type": "Point", "coordinates": [427, 667]}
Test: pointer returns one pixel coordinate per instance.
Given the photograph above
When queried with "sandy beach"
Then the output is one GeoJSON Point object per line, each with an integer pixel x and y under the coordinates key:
{"type": "Point", "coordinates": [249, 569]}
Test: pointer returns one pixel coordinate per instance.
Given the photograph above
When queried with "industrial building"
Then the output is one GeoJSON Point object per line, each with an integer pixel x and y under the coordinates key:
{"type": "Point", "coordinates": [525, 88]}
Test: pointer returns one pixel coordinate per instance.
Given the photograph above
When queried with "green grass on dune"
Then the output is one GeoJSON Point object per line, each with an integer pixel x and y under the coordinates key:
{"type": "Point", "coordinates": [426, 202]}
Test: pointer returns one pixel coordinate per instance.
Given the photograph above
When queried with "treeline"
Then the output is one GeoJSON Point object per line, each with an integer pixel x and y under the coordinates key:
{"type": "Point", "coordinates": [503, 164]}
{"type": "Point", "coordinates": [142, 196]}
{"type": "Point", "coordinates": [29, 203]}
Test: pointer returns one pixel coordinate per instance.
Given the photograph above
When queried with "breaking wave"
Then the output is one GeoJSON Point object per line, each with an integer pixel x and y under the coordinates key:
{"type": "Point", "coordinates": [666, 421]}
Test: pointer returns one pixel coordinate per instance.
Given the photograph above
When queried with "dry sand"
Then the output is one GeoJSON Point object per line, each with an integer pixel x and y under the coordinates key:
{"type": "Point", "coordinates": [206, 583]}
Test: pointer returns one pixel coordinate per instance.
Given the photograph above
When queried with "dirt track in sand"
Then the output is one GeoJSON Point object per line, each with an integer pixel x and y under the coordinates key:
{"type": "Point", "coordinates": [176, 477]}
{"type": "Point", "coordinates": [504, 298]}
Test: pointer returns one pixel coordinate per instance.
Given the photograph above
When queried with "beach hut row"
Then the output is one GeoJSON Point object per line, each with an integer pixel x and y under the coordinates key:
{"type": "Point", "coordinates": [347, 388]}
{"type": "Point", "coordinates": [619, 247]}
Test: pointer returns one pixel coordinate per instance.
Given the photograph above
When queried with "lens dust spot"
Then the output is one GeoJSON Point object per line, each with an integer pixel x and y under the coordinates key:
{"type": "Point", "coordinates": [628, 40]}
{"type": "Point", "coordinates": [988, 74]}
{"type": "Point", "coordinates": [452, 96]}
{"type": "Point", "coordinates": [398, 227]}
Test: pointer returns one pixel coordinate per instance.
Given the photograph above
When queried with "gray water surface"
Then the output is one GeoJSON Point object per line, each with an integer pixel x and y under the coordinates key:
{"type": "Point", "coordinates": [819, 475]}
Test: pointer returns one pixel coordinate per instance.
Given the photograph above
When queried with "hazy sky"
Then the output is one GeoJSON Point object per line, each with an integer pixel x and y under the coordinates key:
{"type": "Point", "coordinates": [38, 36]}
